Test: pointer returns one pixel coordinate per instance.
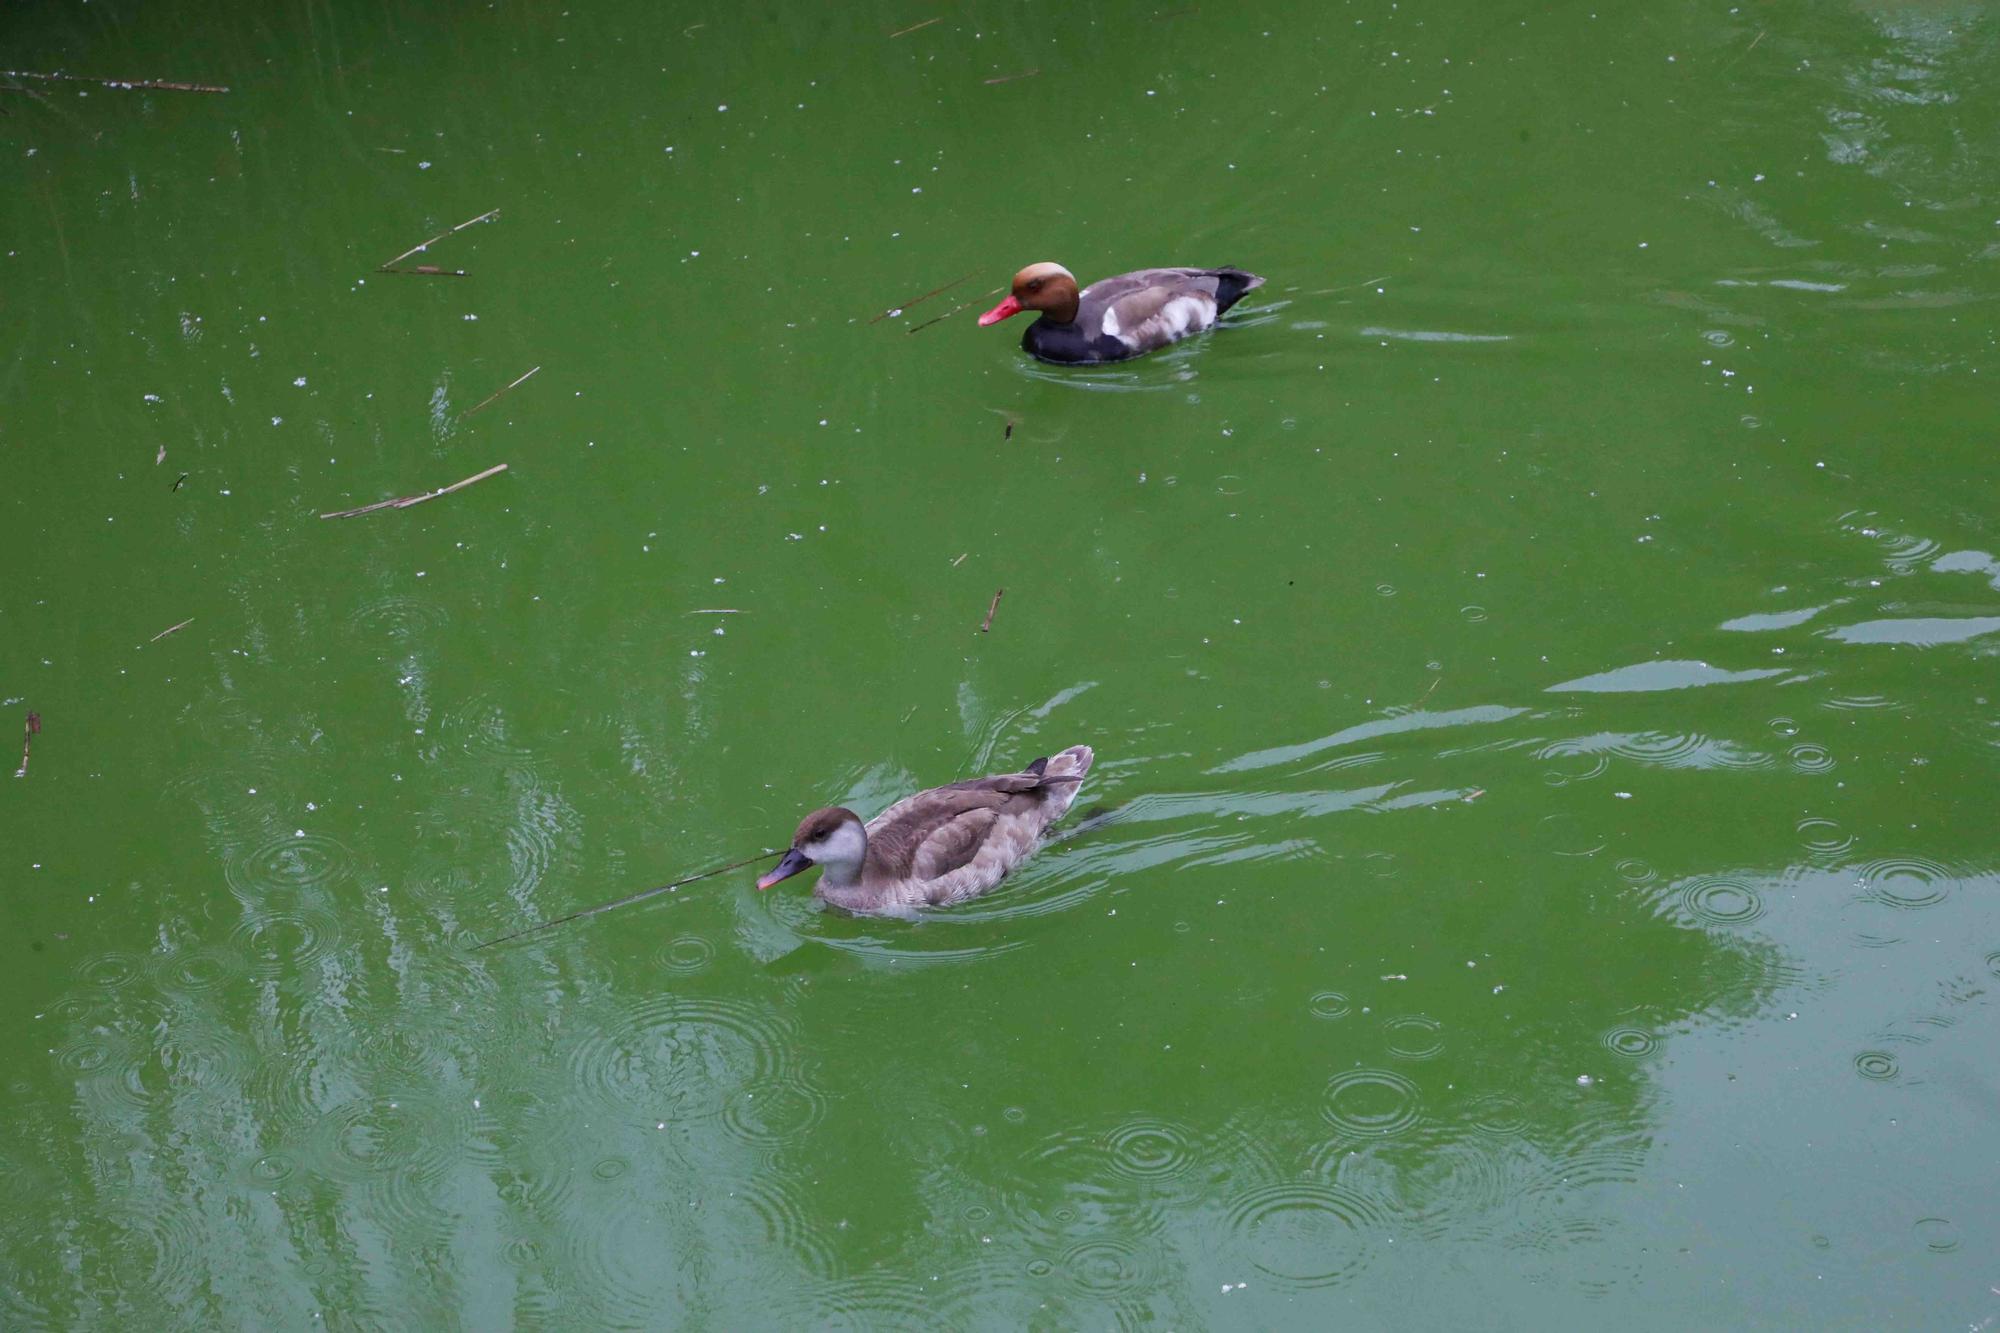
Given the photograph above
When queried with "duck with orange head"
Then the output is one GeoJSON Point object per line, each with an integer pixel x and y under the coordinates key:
{"type": "Point", "coordinates": [1116, 318]}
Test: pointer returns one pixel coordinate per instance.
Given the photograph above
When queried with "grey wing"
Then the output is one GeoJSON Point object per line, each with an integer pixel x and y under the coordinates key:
{"type": "Point", "coordinates": [935, 832]}
{"type": "Point", "coordinates": [1112, 290]}
{"type": "Point", "coordinates": [1163, 311]}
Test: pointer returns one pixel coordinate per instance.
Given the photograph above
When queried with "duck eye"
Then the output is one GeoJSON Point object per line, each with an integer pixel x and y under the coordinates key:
{"type": "Point", "coordinates": [1035, 285]}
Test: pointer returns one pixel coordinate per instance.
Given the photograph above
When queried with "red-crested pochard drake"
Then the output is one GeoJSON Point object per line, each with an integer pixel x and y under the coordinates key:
{"type": "Point", "coordinates": [938, 847]}
{"type": "Point", "coordinates": [1116, 318]}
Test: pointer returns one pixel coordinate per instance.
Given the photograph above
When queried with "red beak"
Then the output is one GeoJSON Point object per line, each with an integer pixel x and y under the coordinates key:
{"type": "Point", "coordinates": [999, 312]}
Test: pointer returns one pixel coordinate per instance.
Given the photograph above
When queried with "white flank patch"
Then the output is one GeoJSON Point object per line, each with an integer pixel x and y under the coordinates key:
{"type": "Point", "coordinates": [1110, 322]}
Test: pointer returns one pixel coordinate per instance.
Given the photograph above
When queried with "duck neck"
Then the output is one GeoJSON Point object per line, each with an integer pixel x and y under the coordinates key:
{"type": "Point", "coordinates": [840, 867]}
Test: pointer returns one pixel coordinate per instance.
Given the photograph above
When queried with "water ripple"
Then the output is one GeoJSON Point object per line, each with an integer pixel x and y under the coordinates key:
{"type": "Point", "coordinates": [1371, 1103]}
{"type": "Point", "coordinates": [1149, 1149]}
{"type": "Point", "coordinates": [1414, 1036]}
{"type": "Point", "coordinates": [1907, 882]}
{"type": "Point", "coordinates": [686, 955]}
{"type": "Point", "coordinates": [419, 1138]}
{"type": "Point", "coordinates": [1330, 1004]}
{"type": "Point", "coordinates": [1715, 900]}
{"type": "Point", "coordinates": [1304, 1235]}
{"type": "Point", "coordinates": [1633, 1043]}
{"type": "Point", "coordinates": [774, 1111]}
{"type": "Point", "coordinates": [667, 1056]}
{"type": "Point", "coordinates": [285, 866]}
{"type": "Point", "coordinates": [287, 940]}
{"type": "Point", "coordinates": [1879, 1066]}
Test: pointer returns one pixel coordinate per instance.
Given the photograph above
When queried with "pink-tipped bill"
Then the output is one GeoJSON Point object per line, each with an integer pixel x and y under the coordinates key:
{"type": "Point", "coordinates": [795, 861]}
{"type": "Point", "coordinates": [999, 312]}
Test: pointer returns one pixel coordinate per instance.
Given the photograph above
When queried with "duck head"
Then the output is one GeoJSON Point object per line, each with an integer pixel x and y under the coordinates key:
{"type": "Point", "coordinates": [1049, 288]}
{"type": "Point", "coordinates": [833, 838]}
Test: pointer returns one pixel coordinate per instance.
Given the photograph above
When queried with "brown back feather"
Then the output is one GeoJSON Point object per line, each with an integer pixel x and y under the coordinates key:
{"type": "Point", "coordinates": [935, 832]}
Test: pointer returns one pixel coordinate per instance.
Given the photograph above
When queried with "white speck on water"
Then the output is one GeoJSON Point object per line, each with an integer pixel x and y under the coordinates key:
{"type": "Point", "coordinates": [470, 318]}
{"type": "Point", "coordinates": [723, 107]}
{"type": "Point", "coordinates": [1584, 1080]}
{"type": "Point", "coordinates": [299, 383]}
{"type": "Point", "coordinates": [277, 421]}
{"type": "Point", "coordinates": [298, 833]}
{"type": "Point", "coordinates": [423, 166]}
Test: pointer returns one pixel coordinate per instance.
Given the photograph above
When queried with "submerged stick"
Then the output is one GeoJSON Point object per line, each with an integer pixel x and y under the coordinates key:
{"type": "Point", "coordinates": [629, 898]}
{"type": "Point", "coordinates": [28, 732]}
{"type": "Point", "coordinates": [390, 266]}
{"type": "Point", "coordinates": [991, 607]}
{"type": "Point", "coordinates": [427, 271]}
{"type": "Point", "coordinates": [484, 401]}
{"type": "Point", "coordinates": [914, 27]}
{"type": "Point", "coordinates": [1009, 78]}
{"type": "Point", "coordinates": [164, 85]}
{"type": "Point", "coordinates": [170, 629]}
{"type": "Point", "coordinates": [939, 319]}
{"type": "Point", "coordinates": [935, 291]}
{"type": "Point", "coordinates": [405, 501]}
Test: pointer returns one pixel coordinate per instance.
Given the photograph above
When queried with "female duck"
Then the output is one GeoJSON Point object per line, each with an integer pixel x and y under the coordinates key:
{"type": "Point", "coordinates": [1116, 318]}
{"type": "Point", "coordinates": [937, 847]}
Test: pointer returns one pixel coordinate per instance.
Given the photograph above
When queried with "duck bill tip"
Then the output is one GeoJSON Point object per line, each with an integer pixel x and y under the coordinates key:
{"type": "Point", "coordinates": [794, 862]}
{"type": "Point", "coordinates": [1004, 310]}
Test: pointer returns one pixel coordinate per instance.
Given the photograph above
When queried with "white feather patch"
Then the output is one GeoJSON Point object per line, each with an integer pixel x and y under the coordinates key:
{"type": "Point", "coordinates": [1110, 322]}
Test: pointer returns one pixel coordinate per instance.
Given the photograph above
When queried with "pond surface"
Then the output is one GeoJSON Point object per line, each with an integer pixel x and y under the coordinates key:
{"type": "Point", "coordinates": [1540, 868]}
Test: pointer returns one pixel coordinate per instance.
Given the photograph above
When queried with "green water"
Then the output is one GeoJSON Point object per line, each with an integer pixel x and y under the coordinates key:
{"type": "Point", "coordinates": [1540, 869]}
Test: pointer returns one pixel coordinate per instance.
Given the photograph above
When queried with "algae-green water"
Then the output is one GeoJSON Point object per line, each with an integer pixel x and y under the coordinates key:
{"type": "Point", "coordinates": [1540, 869]}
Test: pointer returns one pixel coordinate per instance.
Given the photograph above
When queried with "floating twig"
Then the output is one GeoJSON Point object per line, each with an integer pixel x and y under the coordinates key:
{"type": "Point", "coordinates": [1008, 433]}
{"type": "Point", "coordinates": [177, 483]}
{"type": "Point", "coordinates": [1009, 78]}
{"type": "Point", "coordinates": [1473, 795]}
{"type": "Point", "coordinates": [935, 291]}
{"type": "Point", "coordinates": [914, 26]}
{"type": "Point", "coordinates": [164, 85]}
{"type": "Point", "coordinates": [405, 501]}
{"type": "Point", "coordinates": [630, 898]}
{"type": "Point", "coordinates": [161, 456]}
{"type": "Point", "coordinates": [427, 271]}
{"type": "Point", "coordinates": [961, 559]}
{"type": "Point", "coordinates": [29, 730]}
{"type": "Point", "coordinates": [390, 267]}
{"type": "Point", "coordinates": [1427, 693]}
{"type": "Point", "coordinates": [991, 607]}
{"type": "Point", "coordinates": [715, 611]}
{"type": "Point", "coordinates": [484, 401]}
{"type": "Point", "coordinates": [939, 319]}
{"type": "Point", "coordinates": [1753, 43]}
{"type": "Point", "coordinates": [170, 629]}
{"type": "Point", "coordinates": [397, 151]}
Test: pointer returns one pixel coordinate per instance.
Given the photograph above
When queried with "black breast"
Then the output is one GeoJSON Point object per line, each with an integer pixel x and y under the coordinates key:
{"type": "Point", "coordinates": [1070, 344]}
